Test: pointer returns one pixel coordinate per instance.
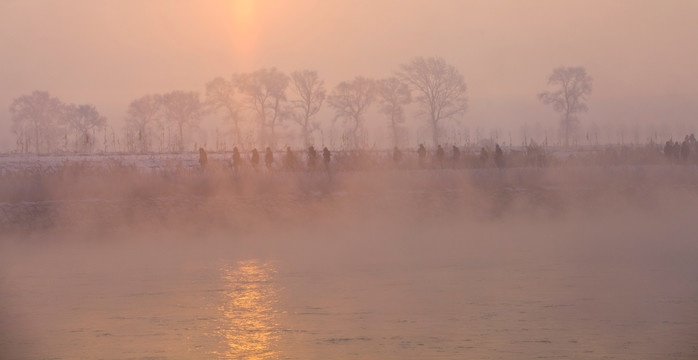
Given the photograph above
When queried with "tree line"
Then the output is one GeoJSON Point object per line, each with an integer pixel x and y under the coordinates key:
{"type": "Point", "coordinates": [254, 104]}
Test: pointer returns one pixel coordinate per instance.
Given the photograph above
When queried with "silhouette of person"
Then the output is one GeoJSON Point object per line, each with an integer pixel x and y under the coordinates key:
{"type": "Point", "coordinates": [498, 156]}
{"type": "Point", "coordinates": [268, 157]}
{"type": "Point", "coordinates": [685, 150]}
{"type": "Point", "coordinates": [456, 155]}
{"type": "Point", "coordinates": [397, 155]}
{"type": "Point", "coordinates": [326, 157]}
{"type": "Point", "coordinates": [255, 158]}
{"type": "Point", "coordinates": [484, 156]}
{"type": "Point", "coordinates": [236, 158]}
{"type": "Point", "coordinates": [203, 159]}
{"type": "Point", "coordinates": [440, 154]}
{"type": "Point", "coordinates": [290, 160]}
{"type": "Point", "coordinates": [668, 149]}
{"type": "Point", "coordinates": [312, 155]}
{"type": "Point", "coordinates": [422, 153]}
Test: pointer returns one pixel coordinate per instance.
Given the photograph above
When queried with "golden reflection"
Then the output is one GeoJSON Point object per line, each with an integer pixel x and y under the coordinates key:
{"type": "Point", "coordinates": [249, 328]}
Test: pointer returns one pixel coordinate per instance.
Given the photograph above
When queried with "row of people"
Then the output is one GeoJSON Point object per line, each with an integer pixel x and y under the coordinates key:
{"type": "Point", "coordinates": [676, 150]}
{"type": "Point", "coordinates": [440, 155]}
{"type": "Point", "coordinates": [289, 162]}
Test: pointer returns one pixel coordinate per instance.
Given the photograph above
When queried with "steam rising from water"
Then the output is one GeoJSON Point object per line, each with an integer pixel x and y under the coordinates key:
{"type": "Point", "coordinates": [507, 264]}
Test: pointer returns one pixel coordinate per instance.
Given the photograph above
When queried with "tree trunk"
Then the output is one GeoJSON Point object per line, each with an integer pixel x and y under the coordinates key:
{"type": "Point", "coordinates": [355, 136]}
{"type": "Point", "coordinates": [435, 132]}
{"type": "Point", "coordinates": [566, 124]}
{"type": "Point", "coordinates": [306, 138]}
{"type": "Point", "coordinates": [236, 122]}
{"type": "Point", "coordinates": [395, 135]}
{"type": "Point", "coordinates": [272, 133]}
{"type": "Point", "coordinates": [262, 137]}
{"type": "Point", "coordinates": [237, 132]}
{"type": "Point", "coordinates": [181, 137]}
{"type": "Point", "coordinates": [36, 134]}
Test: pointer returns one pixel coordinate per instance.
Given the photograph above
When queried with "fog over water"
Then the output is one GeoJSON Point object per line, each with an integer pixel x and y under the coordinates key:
{"type": "Point", "coordinates": [569, 262]}
{"type": "Point", "coordinates": [123, 244]}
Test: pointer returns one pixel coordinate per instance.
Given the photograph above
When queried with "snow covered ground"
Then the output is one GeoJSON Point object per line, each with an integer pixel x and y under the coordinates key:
{"type": "Point", "coordinates": [13, 163]}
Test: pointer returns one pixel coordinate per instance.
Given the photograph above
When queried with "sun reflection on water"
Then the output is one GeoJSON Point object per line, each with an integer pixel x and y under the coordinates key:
{"type": "Point", "coordinates": [249, 320]}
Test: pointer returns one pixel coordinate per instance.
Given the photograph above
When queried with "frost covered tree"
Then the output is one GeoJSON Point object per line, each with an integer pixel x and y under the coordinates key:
{"type": "Point", "coordinates": [83, 121]}
{"type": "Point", "coordinates": [573, 85]}
{"type": "Point", "coordinates": [441, 90]}
{"type": "Point", "coordinates": [309, 92]}
{"type": "Point", "coordinates": [265, 96]}
{"type": "Point", "coordinates": [35, 119]}
{"type": "Point", "coordinates": [182, 109]}
{"type": "Point", "coordinates": [393, 95]}
{"type": "Point", "coordinates": [144, 121]}
{"type": "Point", "coordinates": [351, 99]}
{"type": "Point", "coordinates": [220, 96]}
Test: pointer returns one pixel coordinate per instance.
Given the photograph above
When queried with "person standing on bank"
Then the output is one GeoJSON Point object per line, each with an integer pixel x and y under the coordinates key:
{"type": "Point", "coordinates": [312, 156]}
{"type": "Point", "coordinates": [440, 155]}
{"type": "Point", "coordinates": [498, 156]}
{"type": "Point", "coordinates": [255, 158]}
{"type": "Point", "coordinates": [203, 159]}
{"type": "Point", "coordinates": [268, 158]}
{"type": "Point", "coordinates": [326, 157]}
{"type": "Point", "coordinates": [397, 155]}
{"type": "Point", "coordinates": [422, 153]}
{"type": "Point", "coordinates": [456, 156]}
{"type": "Point", "coordinates": [236, 159]}
{"type": "Point", "coordinates": [289, 160]}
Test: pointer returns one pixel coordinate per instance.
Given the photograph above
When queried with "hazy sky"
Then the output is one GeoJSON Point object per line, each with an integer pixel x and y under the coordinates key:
{"type": "Point", "coordinates": [643, 55]}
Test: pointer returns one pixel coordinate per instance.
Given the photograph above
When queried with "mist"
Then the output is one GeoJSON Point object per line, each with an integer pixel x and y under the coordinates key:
{"type": "Point", "coordinates": [270, 180]}
{"type": "Point", "coordinates": [119, 261]}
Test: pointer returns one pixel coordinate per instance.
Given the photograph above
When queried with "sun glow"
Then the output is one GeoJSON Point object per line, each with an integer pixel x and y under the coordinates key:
{"type": "Point", "coordinates": [245, 25]}
{"type": "Point", "coordinates": [244, 12]}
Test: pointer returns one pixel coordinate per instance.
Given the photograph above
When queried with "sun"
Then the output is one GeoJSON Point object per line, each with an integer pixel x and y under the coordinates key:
{"type": "Point", "coordinates": [244, 12]}
{"type": "Point", "coordinates": [245, 28]}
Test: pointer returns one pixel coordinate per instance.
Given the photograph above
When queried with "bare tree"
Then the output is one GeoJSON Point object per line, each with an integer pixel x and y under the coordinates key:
{"type": "Point", "coordinates": [265, 92]}
{"type": "Point", "coordinates": [143, 120]}
{"type": "Point", "coordinates": [393, 94]}
{"type": "Point", "coordinates": [183, 109]}
{"type": "Point", "coordinates": [22, 129]}
{"type": "Point", "coordinates": [573, 86]}
{"type": "Point", "coordinates": [220, 95]}
{"type": "Point", "coordinates": [34, 119]}
{"type": "Point", "coordinates": [351, 100]}
{"type": "Point", "coordinates": [440, 87]}
{"type": "Point", "coordinates": [83, 119]}
{"type": "Point", "coordinates": [310, 90]}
